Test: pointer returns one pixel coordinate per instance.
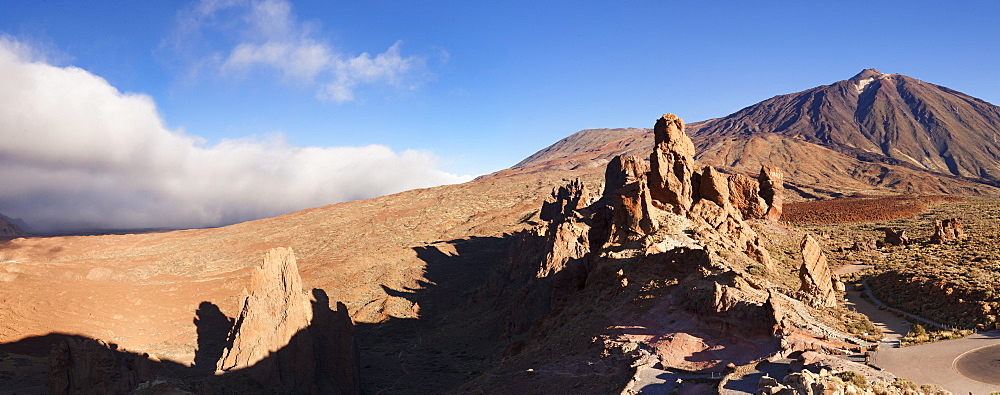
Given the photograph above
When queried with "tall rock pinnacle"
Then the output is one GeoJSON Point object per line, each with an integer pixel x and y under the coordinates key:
{"type": "Point", "coordinates": [672, 163]}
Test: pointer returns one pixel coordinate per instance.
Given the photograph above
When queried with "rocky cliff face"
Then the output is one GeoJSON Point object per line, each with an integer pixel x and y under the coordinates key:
{"type": "Point", "coordinates": [672, 165]}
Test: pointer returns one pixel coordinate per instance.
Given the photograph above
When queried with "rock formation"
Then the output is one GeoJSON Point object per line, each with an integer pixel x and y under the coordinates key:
{"type": "Point", "coordinates": [275, 310]}
{"type": "Point", "coordinates": [819, 284]}
{"type": "Point", "coordinates": [947, 230]}
{"type": "Point", "coordinates": [626, 187]}
{"type": "Point", "coordinates": [896, 238]}
{"type": "Point", "coordinates": [334, 347]}
{"type": "Point", "coordinates": [745, 196]}
{"type": "Point", "coordinates": [864, 245]}
{"type": "Point", "coordinates": [714, 186]}
{"type": "Point", "coordinates": [652, 225]}
{"type": "Point", "coordinates": [287, 341]}
{"type": "Point", "coordinates": [90, 366]}
{"type": "Point", "coordinates": [671, 165]}
{"type": "Point", "coordinates": [772, 190]}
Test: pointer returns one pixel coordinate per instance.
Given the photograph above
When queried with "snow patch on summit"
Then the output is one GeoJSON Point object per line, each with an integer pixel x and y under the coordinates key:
{"type": "Point", "coordinates": [862, 84]}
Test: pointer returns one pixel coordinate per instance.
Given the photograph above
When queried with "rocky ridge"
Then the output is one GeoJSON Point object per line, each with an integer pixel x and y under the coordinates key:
{"type": "Point", "coordinates": [665, 247]}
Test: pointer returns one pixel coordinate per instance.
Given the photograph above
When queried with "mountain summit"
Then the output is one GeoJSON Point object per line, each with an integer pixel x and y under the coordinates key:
{"type": "Point", "coordinates": [872, 133]}
{"type": "Point", "coordinates": [866, 74]}
{"type": "Point", "coordinates": [887, 118]}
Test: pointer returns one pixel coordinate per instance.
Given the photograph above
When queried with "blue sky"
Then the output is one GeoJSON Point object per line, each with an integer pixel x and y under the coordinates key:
{"type": "Point", "coordinates": [480, 85]}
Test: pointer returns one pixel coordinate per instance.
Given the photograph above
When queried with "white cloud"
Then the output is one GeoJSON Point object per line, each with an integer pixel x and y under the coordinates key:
{"type": "Point", "coordinates": [77, 153]}
{"type": "Point", "coordinates": [266, 36]}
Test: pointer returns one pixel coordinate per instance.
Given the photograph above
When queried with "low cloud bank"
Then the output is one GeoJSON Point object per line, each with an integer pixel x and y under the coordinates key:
{"type": "Point", "coordinates": [76, 153]}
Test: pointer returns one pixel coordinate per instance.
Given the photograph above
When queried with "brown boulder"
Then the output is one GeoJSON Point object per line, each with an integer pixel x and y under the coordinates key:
{"type": "Point", "coordinates": [864, 245]}
{"type": "Point", "coordinates": [896, 238]}
{"type": "Point", "coordinates": [947, 230]}
{"type": "Point", "coordinates": [714, 186]}
{"type": "Point", "coordinates": [772, 191]}
{"type": "Point", "coordinates": [819, 284]}
{"type": "Point", "coordinates": [744, 195]}
{"type": "Point", "coordinates": [672, 165]}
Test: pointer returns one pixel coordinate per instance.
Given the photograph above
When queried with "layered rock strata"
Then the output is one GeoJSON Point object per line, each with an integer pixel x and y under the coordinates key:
{"type": "Point", "coordinates": [819, 284]}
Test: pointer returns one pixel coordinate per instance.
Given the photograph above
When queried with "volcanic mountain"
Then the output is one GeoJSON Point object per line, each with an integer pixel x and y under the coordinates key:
{"type": "Point", "coordinates": [871, 133]}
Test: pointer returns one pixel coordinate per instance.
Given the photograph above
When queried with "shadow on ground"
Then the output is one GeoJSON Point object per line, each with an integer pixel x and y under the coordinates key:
{"type": "Point", "coordinates": [455, 337]}
{"type": "Point", "coordinates": [66, 363]}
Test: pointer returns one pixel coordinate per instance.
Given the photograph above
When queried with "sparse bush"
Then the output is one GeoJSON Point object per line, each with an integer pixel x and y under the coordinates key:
{"type": "Point", "coordinates": [757, 270]}
{"type": "Point", "coordinates": [854, 378]}
{"type": "Point", "coordinates": [905, 384]}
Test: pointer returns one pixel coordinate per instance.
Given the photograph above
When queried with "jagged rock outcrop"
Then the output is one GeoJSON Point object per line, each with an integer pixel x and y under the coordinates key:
{"type": "Point", "coordinates": [819, 284]}
{"type": "Point", "coordinates": [288, 341]}
{"type": "Point", "coordinates": [806, 382]}
{"type": "Point", "coordinates": [831, 382]}
{"type": "Point", "coordinates": [565, 200]}
{"type": "Point", "coordinates": [567, 236]}
{"type": "Point", "coordinates": [275, 311]}
{"type": "Point", "coordinates": [652, 225]}
{"type": "Point", "coordinates": [947, 230]}
{"type": "Point", "coordinates": [672, 165]}
{"type": "Point", "coordinates": [745, 196]}
{"type": "Point", "coordinates": [714, 186]}
{"type": "Point", "coordinates": [626, 189]}
{"type": "Point", "coordinates": [79, 366]}
{"type": "Point", "coordinates": [771, 181]}
{"type": "Point", "coordinates": [896, 237]}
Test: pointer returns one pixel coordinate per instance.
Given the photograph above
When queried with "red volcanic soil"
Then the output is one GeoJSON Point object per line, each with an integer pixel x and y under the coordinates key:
{"type": "Point", "coordinates": [862, 209]}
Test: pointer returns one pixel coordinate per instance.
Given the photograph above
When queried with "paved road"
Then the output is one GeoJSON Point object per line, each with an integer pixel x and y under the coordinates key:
{"type": "Point", "coordinates": [981, 364]}
{"type": "Point", "coordinates": [924, 364]}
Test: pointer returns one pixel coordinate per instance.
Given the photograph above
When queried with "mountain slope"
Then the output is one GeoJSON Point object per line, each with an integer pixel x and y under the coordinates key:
{"type": "Point", "coordinates": [873, 133]}
{"type": "Point", "coordinates": [888, 118]}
